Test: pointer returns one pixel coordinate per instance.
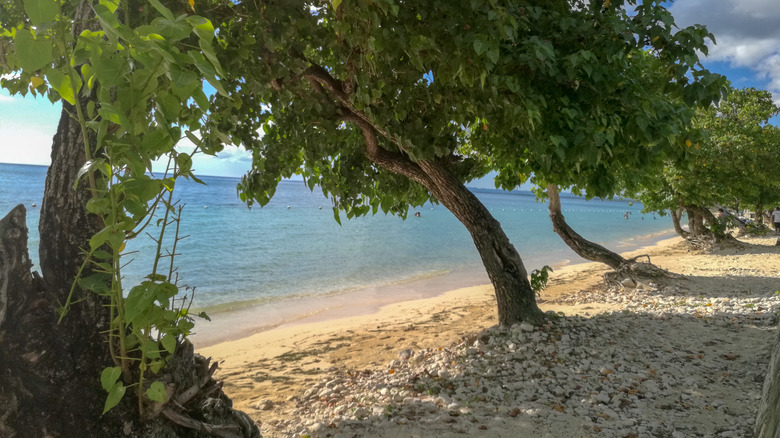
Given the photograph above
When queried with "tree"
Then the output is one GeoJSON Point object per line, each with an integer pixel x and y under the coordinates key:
{"type": "Point", "coordinates": [124, 105]}
{"type": "Point", "coordinates": [389, 104]}
{"type": "Point", "coordinates": [655, 108]}
{"type": "Point", "coordinates": [734, 165]}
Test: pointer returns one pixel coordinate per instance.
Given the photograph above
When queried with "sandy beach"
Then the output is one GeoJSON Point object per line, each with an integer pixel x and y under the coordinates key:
{"type": "Point", "coordinates": [682, 357]}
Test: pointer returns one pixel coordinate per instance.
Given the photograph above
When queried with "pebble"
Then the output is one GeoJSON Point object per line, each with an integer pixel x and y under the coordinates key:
{"type": "Point", "coordinates": [615, 374]}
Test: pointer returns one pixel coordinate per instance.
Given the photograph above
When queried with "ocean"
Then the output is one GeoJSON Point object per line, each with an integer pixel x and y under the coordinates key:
{"type": "Point", "coordinates": [291, 258]}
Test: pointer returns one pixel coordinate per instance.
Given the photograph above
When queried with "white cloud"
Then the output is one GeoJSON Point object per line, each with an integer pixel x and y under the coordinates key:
{"type": "Point", "coordinates": [747, 33]}
{"type": "Point", "coordinates": [235, 154]}
{"type": "Point", "coordinates": [4, 98]}
{"type": "Point", "coordinates": [26, 144]}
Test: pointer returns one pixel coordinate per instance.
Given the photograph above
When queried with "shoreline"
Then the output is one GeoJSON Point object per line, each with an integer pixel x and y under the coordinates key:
{"type": "Point", "coordinates": [240, 322]}
{"type": "Point", "coordinates": [331, 376]}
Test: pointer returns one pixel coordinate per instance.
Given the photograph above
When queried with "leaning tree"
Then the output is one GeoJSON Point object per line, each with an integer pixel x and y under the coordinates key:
{"type": "Point", "coordinates": [650, 123]}
{"type": "Point", "coordinates": [81, 354]}
{"type": "Point", "coordinates": [389, 104]}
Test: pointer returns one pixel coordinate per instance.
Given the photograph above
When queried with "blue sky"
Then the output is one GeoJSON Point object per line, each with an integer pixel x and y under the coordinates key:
{"type": "Point", "coordinates": [747, 52]}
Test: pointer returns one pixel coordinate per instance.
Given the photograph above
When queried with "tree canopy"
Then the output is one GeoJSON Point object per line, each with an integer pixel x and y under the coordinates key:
{"type": "Point", "coordinates": [522, 88]}
{"type": "Point", "coordinates": [735, 164]}
{"type": "Point", "coordinates": [388, 104]}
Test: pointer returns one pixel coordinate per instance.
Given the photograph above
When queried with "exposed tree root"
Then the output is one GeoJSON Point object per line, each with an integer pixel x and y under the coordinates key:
{"type": "Point", "coordinates": [196, 402]}
{"type": "Point", "coordinates": [638, 272]}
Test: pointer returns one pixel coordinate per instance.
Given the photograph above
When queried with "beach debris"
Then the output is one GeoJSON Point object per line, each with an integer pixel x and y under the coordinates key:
{"type": "Point", "coordinates": [630, 372]}
{"type": "Point", "coordinates": [405, 354]}
{"type": "Point", "coordinates": [264, 405]}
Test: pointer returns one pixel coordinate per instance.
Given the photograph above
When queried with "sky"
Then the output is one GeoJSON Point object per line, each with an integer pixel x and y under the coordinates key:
{"type": "Point", "coordinates": [747, 33]}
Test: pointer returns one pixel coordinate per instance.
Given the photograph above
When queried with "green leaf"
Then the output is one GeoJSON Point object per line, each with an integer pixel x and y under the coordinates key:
{"type": "Point", "coordinates": [111, 235]}
{"type": "Point", "coordinates": [335, 4]}
{"type": "Point", "coordinates": [149, 347]}
{"type": "Point", "coordinates": [109, 68]}
{"type": "Point", "coordinates": [162, 9]}
{"type": "Point", "coordinates": [86, 167]}
{"type": "Point", "coordinates": [170, 29]}
{"type": "Point", "coordinates": [33, 53]}
{"type": "Point", "coordinates": [98, 205]}
{"type": "Point", "coordinates": [156, 392]}
{"type": "Point", "coordinates": [208, 70]}
{"type": "Point", "coordinates": [157, 142]}
{"type": "Point", "coordinates": [182, 78]}
{"type": "Point", "coordinates": [202, 26]}
{"type": "Point", "coordinates": [493, 53]}
{"type": "Point", "coordinates": [480, 46]}
{"type": "Point", "coordinates": [62, 84]}
{"type": "Point", "coordinates": [114, 396]}
{"type": "Point", "coordinates": [184, 162]}
{"type": "Point", "coordinates": [41, 11]}
{"type": "Point", "coordinates": [169, 104]}
{"type": "Point", "coordinates": [111, 5]}
{"type": "Point", "coordinates": [109, 377]}
{"type": "Point", "coordinates": [169, 343]}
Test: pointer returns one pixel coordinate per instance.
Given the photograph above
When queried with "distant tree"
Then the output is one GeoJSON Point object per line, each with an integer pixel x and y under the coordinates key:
{"type": "Point", "coordinates": [388, 104]}
{"type": "Point", "coordinates": [653, 129]}
{"type": "Point", "coordinates": [736, 164]}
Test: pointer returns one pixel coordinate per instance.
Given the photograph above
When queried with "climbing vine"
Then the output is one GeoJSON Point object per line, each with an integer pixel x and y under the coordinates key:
{"type": "Point", "coordinates": [133, 78]}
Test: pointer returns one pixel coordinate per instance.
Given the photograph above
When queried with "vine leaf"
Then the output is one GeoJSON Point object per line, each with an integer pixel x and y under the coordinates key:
{"type": "Point", "coordinates": [114, 396]}
{"type": "Point", "coordinates": [34, 53]}
{"type": "Point", "coordinates": [109, 377]}
{"type": "Point", "coordinates": [169, 343]}
{"type": "Point", "coordinates": [62, 84]}
{"type": "Point", "coordinates": [41, 11]}
{"type": "Point", "coordinates": [110, 4]}
{"type": "Point", "coordinates": [162, 9]}
{"type": "Point", "coordinates": [156, 392]}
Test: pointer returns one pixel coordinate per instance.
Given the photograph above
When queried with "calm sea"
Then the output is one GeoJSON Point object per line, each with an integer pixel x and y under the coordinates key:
{"type": "Point", "coordinates": [293, 249]}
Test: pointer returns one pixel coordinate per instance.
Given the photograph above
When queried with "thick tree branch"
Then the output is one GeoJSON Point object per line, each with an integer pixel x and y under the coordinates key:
{"type": "Point", "coordinates": [392, 161]}
{"type": "Point", "coordinates": [583, 247]}
{"type": "Point", "coordinates": [317, 74]}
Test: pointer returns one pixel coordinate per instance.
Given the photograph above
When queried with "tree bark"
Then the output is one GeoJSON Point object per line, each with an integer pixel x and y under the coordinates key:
{"type": "Point", "coordinates": [696, 226]}
{"type": "Point", "coordinates": [50, 371]}
{"type": "Point", "coordinates": [583, 247]}
{"type": "Point", "coordinates": [736, 222]}
{"type": "Point", "coordinates": [516, 300]}
{"type": "Point", "coordinates": [676, 216]}
{"type": "Point", "coordinates": [768, 418]}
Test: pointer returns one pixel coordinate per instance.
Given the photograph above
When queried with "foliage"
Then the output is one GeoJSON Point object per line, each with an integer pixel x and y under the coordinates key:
{"type": "Point", "coordinates": [576, 93]}
{"type": "Point", "coordinates": [737, 163]}
{"type": "Point", "coordinates": [133, 78]}
{"type": "Point", "coordinates": [539, 278]}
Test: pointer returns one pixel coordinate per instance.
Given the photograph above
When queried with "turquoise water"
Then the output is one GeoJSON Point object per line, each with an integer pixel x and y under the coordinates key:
{"type": "Point", "coordinates": [293, 248]}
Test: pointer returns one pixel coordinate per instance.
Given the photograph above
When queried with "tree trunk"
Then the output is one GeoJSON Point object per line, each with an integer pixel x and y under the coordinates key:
{"type": "Point", "coordinates": [696, 223]}
{"type": "Point", "coordinates": [768, 418]}
{"type": "Point", "coordinates": [515, 298]}
{"type": "Point", "coordinates": [760, 215]}
{"type": "Point", "coordinates": [718, 233]}
{"type": "Point", "coordinates": [584, 248]}
{"type": "Point", "coordinates": [50, 371]}
{"type": "Point", "coordinates": [676, 216]}
{"type": "Point", "coordinates": [736, 222]}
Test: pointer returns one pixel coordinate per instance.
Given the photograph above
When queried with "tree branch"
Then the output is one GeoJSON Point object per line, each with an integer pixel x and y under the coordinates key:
{"type": "Point", "coordinates": [392, 161]}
